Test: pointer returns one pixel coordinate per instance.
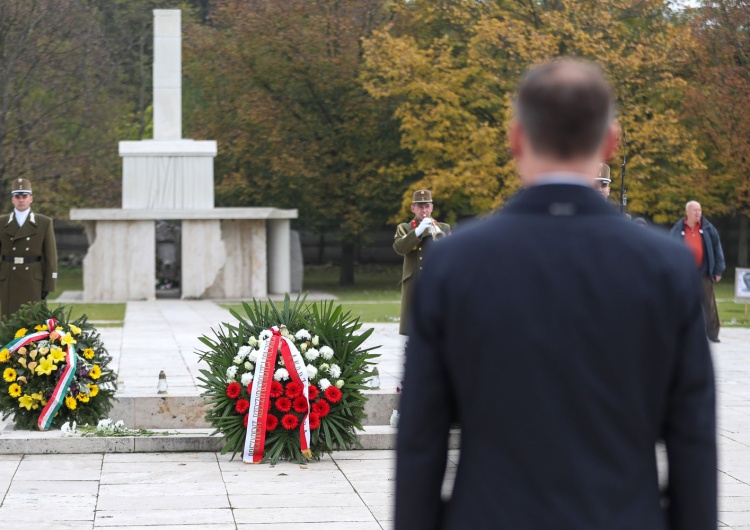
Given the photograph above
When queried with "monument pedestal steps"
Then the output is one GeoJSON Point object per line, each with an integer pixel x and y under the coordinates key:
{"type": "Point", "coordinates": [164, 335]}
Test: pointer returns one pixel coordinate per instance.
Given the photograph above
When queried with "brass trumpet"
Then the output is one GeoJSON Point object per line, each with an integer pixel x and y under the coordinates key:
{"type": "Point", "coordinates": [435, 231]}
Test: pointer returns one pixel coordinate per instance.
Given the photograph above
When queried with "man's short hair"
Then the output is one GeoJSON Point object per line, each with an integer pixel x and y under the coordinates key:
{"type": "Point", "coordinates": [565, 108]}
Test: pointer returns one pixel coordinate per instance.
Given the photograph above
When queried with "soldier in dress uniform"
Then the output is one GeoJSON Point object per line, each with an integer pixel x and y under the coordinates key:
{"type": "Point", "coordinates": [411, 241]}
{"type": "Point", "coordinates": [28, 253]}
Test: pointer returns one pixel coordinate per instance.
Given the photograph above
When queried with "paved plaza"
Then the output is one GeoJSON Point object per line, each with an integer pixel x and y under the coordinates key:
{"type": "Point", "coordinates": [205, 490]}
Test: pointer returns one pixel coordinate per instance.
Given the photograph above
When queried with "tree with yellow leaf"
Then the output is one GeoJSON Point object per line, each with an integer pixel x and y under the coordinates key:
{"type": "Point", "coordinates": [452, 67]}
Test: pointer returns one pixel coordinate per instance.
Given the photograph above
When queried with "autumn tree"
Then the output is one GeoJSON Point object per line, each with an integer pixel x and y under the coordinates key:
{"type": "Point", "coordinates": [452, 66]}
{"type": "Point", "coordinates": [718, 106]}
{"type": "Point", "coordinates": [277, 84]}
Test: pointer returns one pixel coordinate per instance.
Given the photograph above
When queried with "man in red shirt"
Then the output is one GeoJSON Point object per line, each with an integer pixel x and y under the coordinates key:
{"type": "Point", "coordinates": [703, 241]}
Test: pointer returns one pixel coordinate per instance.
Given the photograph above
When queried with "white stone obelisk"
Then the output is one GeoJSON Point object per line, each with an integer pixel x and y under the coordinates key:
{"type": "Point", "coordinates": [167, 74]}
{"type": "Point", "coordinates": [167, 172]}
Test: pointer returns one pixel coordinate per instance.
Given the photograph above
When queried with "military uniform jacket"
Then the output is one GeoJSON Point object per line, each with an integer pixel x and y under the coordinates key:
{"type": "Point", "coordinates": [24, 282]}
{"type": "Point", "coordinates": [407, 244]}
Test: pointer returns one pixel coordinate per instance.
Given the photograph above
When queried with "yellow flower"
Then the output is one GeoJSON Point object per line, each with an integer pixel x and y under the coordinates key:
{"type": "Point", "coordinates": [68, 339]}
{"type": "Point", "coordinates": [14, 390]}
{"type": "Point", "coordinates": [46, 366]}
{"type": "Point", "coordinates": [26, 401]}
{"type": "Point", "coordinates": [93, 390]}
{"type": "Point", "coordinates": [95, 372]}
{"type": "Point", "coordinates": [83, 398]}
{"type": "Point", "coordinates": [41, 327]}
{"type": "Point", "coordinates": [9, 375]}
{"type": "Point", "coordinates": [88, 353]}
{"type": "Point", "coordinates": [75, 329]}
{"type": "Point", "coordinates": [56, 354]}
{"type": "Point", "coordinates": [21, 332]}
{"type": "Point", "coordinates": [4, 355]}
{"type": "Point", "coordinates": [38, 396]}
{"type": "Point", "coordinates": [71, 402]}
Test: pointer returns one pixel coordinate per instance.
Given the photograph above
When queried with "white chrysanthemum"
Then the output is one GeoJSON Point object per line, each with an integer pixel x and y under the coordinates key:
{"type": "Point", "coordinates": [232, 372]}
{"type": "Point", "coordinates": [323, 384]}
{"type": "Point", "coordinates": [303, 334]}
{"type": "Point", "coordinates": [311, 371]}
{"type": "Point", "coordinates": [339, 383]}
{"type": "Point", "coordinates": [253, 356]}
{"type": "Point", "coordinates": [246, 378]}
{"type": "Point", "coordinates": [244, 351]}
{"type": "Point", "coordinates": [253, 342]}
{"type": "Point", "coordinates": [265, 334]}
{"type": "Point", "coordinates": [303, 347]}
{"type": "Point", "coordinates": [68, 429]}
{"type": "Point", "coordinates": [119, 424]}
{"type": "Point", "coordinates": [249, 366]}
{"type": "Point", "coordinates": [106, 423]}
{"type": "Point", "coordinates": [312, 354]}
{"type": "Point", "coordinates": [335, 371]}
{"type": "Point", "coordinates": [326, 352]}
{"type": "Point", "coordinates": [281, 374]}
{"type": "Point", "coordinates": [315, 340]}
{"type": "Point", "coordinates": [237, 359]}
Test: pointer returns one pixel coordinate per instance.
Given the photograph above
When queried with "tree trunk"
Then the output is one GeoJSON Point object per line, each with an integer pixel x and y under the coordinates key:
{"type": "Point", "coordinates": [346, 269]}
{"type": "Point", "coordinates": [321, 248]}
{"type": "Point", "coordinates": [742, 245]}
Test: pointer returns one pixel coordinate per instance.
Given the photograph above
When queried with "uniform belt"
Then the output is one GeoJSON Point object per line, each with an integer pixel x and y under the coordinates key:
{"type": "Point", "coordinates": [20, 261]}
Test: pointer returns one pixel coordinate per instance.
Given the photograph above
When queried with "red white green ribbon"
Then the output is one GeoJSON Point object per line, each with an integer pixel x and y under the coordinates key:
{"type": "Point", "coordinates": [63, 384]}
{"type": "Point", "coordinates": [260, 396]}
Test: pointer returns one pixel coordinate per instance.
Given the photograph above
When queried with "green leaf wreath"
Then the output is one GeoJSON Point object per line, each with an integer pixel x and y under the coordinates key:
{"type": "Point", "coordinates": [329, 340]}
{"type": "Point", "coordinates": [31, 373]}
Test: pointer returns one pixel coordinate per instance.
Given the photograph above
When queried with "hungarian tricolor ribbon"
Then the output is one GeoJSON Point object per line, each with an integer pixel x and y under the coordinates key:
{"type": "Point", "coordinates": [260, 397]}
{"type": "Point", "coordinates": [63, 384]}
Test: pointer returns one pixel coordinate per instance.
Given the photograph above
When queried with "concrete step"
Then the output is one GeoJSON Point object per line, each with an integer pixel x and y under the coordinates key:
{"type": "Point", "coordinates": [188, 412]}
{"type": "Point", "coordinates": [374, 437]}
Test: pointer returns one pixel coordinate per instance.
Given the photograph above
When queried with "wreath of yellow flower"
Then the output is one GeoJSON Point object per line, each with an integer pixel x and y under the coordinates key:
{"type": "Point", "coordinates": [95, 372]}
{"type": "Point", "coordinates": [88, 353]}
{"type": "Point", "coordinates": [21, 332]}
{"type": "Point", "coordinates": [93, 390]}
{"type": "Point", "coordinates": [9, 375]}
{"type": "Point", "coordinates": [15, 390]}
{"type": "Point", "coordinates": [4, 355]}
{"type": "Point", "coordinates": [71, 402]}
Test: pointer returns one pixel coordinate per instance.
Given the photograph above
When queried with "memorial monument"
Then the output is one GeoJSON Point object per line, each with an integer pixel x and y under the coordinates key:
{"type": "Point", "coordinates": [226, 253]}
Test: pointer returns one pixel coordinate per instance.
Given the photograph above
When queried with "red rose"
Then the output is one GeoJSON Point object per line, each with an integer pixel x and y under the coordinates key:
{"type": "Point", "coordinates": [322, 408]}
{"type": "Point", "coordinates": [300, 405]}
{"type": "Point", "coordinates": [271, 422]}
{"type": "Point", "coordinates": [276, 389]}
{"type": "Point", "coordinates": [312, 392]}
{"type": "Point", "coordinates": [293, 390]}
{"type": "Point", "coordinates": [242, 406]}
{"type": "Point", "coordinates": [289, 421]}
{"type": "Point", "coordinates": [314, 421]}
{"type": "Point", "coordinates": [284, 404]}
{"type": "Point", "coordinates": [333, 394]}
{"type": "Point", "coordinates": [233, 390]}
{"type": "Point", "coordinates": [247, 418]}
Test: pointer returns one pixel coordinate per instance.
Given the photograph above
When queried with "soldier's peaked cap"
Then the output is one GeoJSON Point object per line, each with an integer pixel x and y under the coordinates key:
{"type": "Point", "coordinates": [422, 197]}
{"type": "Point", "coordinates": [20, 186]}
{"type": "Point", "coordinates": [604, 174]}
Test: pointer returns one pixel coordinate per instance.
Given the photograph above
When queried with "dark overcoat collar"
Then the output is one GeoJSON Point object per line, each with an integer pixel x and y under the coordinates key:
{"type": "Point", "coordinates": [559, 200]}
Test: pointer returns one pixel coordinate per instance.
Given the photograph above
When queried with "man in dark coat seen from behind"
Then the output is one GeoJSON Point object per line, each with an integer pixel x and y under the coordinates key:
{"type": "Point", "coordinates": [558, 422]}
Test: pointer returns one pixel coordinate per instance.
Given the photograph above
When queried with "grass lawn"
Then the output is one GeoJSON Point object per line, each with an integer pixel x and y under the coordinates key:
{"type": "Point", "coordinates": [375, 297]}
